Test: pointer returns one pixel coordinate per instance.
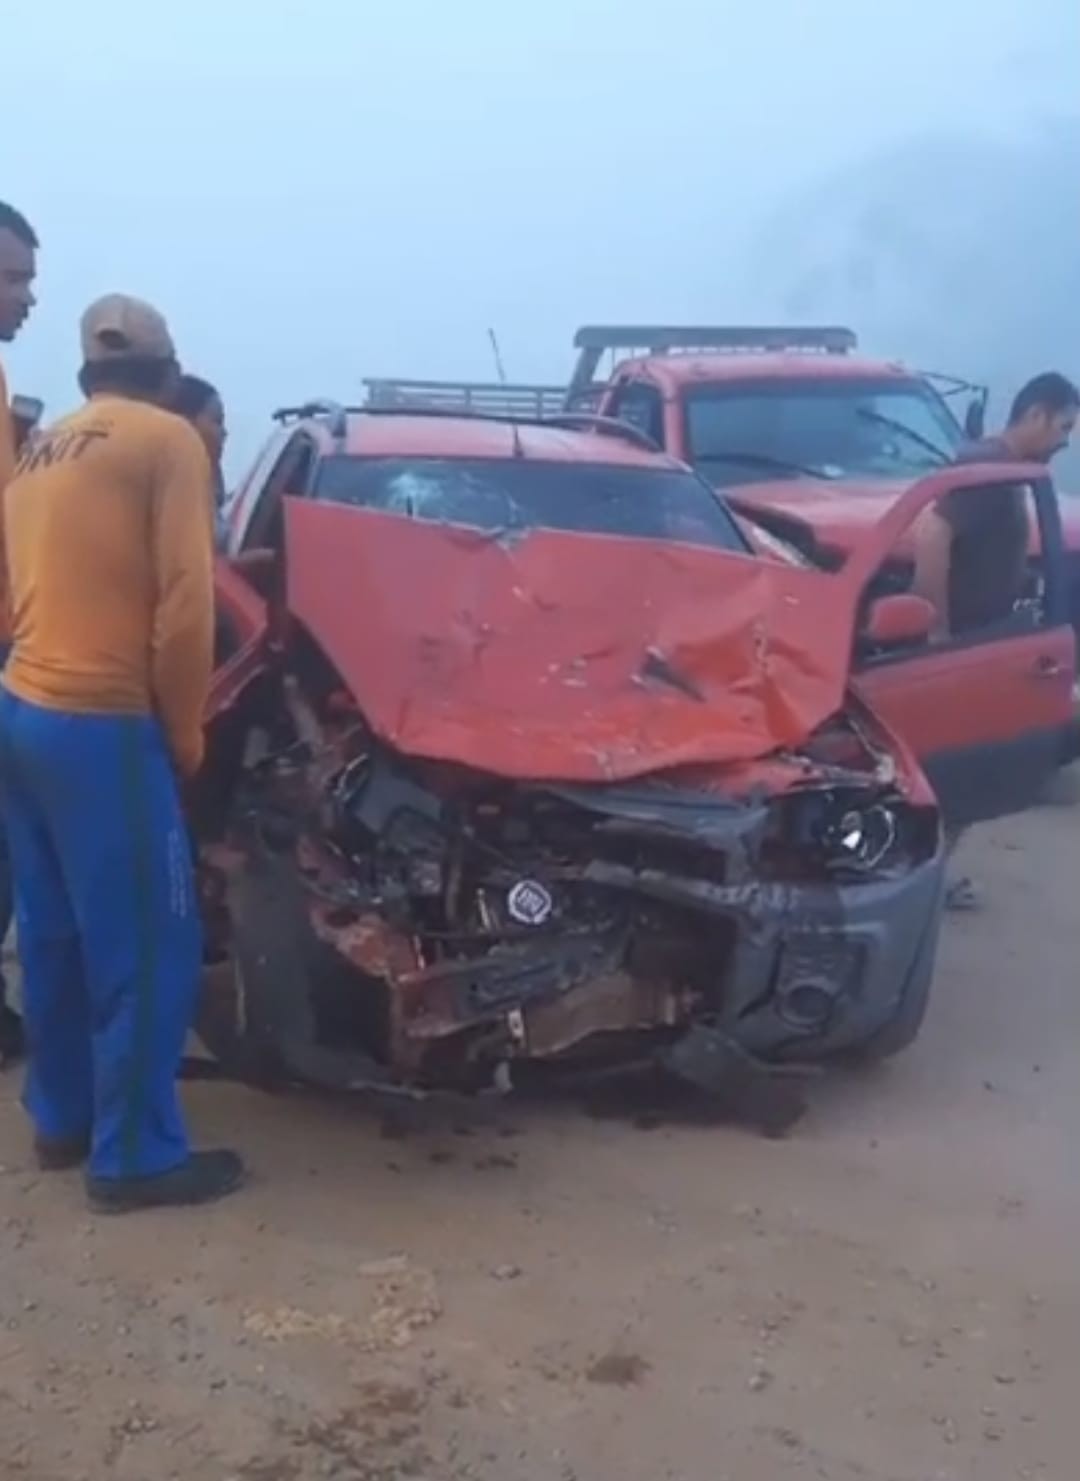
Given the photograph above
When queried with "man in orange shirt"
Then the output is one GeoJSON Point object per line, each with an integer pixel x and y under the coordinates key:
{"type": "Point", "coordinates": [108, 530]}
{"type": "Point", "coordinates": [18, 268]}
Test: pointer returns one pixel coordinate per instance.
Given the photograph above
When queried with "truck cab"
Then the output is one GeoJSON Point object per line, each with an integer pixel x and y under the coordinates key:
{"type": "Point", "coordinates": [793, 426]}
{"type": "Point", "coordinates": [753, 409]}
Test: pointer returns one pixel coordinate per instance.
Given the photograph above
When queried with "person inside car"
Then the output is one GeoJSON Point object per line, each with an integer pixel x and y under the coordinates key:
{"type": "Point", "coordinates": [971, 549]}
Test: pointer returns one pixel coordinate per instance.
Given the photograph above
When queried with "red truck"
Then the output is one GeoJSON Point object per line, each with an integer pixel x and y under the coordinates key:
{"type": "Point", "coordinates": [799, 431]}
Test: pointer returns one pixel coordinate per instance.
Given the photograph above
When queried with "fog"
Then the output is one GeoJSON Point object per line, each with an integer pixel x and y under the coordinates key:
{"type": "Point", "coordinates": [317, 193]}
{"type": "Point", "coordinates": [956, 252]}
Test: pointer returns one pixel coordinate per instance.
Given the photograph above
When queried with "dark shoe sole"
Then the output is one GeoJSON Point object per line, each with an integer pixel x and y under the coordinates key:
{"type": "Point", "coordinates": [180, 1189]}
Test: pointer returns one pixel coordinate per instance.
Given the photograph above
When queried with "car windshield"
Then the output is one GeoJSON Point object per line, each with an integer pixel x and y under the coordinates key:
{"type": "Point", "coordinates": [747, 432]}
{"type": "Point", "coordinates": [523, 494]}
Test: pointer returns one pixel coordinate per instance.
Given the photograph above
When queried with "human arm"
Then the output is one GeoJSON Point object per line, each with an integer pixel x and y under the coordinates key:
{"type": "Point", "coordinates": [7, 436]}
{"type": "Point", "coordinates": [933, 562]}
{"type": "Point", "coordinates": [182, 552]}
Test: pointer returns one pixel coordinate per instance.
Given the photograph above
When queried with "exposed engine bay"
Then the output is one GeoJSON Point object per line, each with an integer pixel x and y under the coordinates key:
{"type": "Point", "coordinates": [378, 922]}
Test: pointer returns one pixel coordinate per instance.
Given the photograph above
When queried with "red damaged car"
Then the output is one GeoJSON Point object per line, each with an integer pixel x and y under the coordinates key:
{"type": "Point", "coordinates": [519, 752]}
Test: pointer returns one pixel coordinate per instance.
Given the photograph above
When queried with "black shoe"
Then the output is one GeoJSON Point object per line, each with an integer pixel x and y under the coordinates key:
{"type": "Point", "coordinates": [12, 1040]}
{"type": "Point", "coordinates": [61, 1153]}
{"type": "Point", "coordinates": [203, 1178]}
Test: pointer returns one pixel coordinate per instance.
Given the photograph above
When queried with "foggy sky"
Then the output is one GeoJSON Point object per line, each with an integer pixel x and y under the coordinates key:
{"type": "Point", "coordinates": [317, 193]}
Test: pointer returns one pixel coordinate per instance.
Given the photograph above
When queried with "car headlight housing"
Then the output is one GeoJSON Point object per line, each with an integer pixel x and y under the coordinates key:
{"type": "Point", "coordinates": [859, 837]}
{"type": "Point", "coordinates": [827, 832]}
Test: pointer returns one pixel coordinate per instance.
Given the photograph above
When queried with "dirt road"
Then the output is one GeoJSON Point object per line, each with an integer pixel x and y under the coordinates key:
{"type": "Point", "coordinates": [891, 1294]}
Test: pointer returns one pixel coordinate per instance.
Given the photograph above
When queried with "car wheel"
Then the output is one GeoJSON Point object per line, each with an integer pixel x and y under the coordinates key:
{"type": "Point", "coordinates": [258, 997]}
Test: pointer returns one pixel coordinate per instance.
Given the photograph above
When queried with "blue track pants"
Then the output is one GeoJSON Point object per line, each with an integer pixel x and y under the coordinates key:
{"type": "Point", "coordinates": [109, 934]}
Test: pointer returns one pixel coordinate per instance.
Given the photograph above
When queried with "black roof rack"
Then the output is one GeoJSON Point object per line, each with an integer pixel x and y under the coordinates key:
{"type": "Point", "coordinates": [330, 411]}
{"type": "Point", "coordinates": [592, 340]}
{"type": "Point", "coordinates": [479, 398]}
{"type": "Point", "coordinates": [570, 421]}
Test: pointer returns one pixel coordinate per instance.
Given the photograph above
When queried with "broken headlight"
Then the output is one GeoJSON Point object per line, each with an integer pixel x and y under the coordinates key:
{"type": "Point", "coordinates": [859, 837]}
{"type": "Point", "coordinates": [833, 831]}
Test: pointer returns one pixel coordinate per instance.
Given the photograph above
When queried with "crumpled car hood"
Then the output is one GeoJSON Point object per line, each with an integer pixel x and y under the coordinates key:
{"type": "Point", "coordinates": [841, 514]}
{"type": "Point", "coordinates": [838, 514]}
{"type": "Point", "coordinates": [566, 657]}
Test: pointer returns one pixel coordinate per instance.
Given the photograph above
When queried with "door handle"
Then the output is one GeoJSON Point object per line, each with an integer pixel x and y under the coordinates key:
{"type": "Point", "coordinates": [1046, 667]}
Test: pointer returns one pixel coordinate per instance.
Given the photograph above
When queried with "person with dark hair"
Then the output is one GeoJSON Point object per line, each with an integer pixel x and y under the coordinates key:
{"type": "Point", "coordinates": [199, 403]}
{"type": "Point", "coordinates": [1042, 418]}
{"type": "Point", "coordinates": [18, 268]}
{"type": "Point", "coordinates": [971, 550]}
{"type": "Point", "coordinates": [107, 524]}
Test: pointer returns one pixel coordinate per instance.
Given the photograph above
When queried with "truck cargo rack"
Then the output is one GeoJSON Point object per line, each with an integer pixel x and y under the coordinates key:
{"type": "Point", "coordinates": [593, 341]}
{"type": "Point", "coordinates": [476, 398]}
{"type": "Point", "coordinates": [337, 417]}
{"type": "Point", "coordinates": [329, 411]}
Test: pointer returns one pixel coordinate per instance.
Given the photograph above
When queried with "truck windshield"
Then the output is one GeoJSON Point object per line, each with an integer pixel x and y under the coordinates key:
{"type": "Point", "coordinates": [829, 428]}
{"type": "Point", "coordinates": [493, 494]}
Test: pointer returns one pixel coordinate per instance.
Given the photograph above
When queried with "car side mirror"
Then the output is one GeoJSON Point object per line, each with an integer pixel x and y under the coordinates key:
{"type": "Point", "coordinates": [898, 620]}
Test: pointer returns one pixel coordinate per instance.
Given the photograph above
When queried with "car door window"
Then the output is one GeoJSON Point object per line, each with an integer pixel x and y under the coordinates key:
{"type": "Point", "coordinates": [640, 406]}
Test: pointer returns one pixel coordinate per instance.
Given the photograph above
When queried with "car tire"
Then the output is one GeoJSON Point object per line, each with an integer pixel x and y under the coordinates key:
{"type": "Point", "coordinates": [261, 1025]}
{"type": "Point", "coordinates": [260, 994]}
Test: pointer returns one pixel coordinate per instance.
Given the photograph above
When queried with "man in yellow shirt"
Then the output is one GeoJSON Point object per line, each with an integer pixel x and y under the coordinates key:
{"type": "Point", "coordinates": [18, 268]}
{"type": "Point", "coordinates": [108, 532]}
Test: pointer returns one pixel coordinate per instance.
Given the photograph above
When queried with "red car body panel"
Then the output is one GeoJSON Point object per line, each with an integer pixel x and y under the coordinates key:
{"type": "Point", "coordinates": [840, 513]}
{"type": "Point", "coordinates": [566, 656]}
{"type": "Point", "coordinates": [581, 658]}
{"type": "Point", "coordinates": [245, 612]}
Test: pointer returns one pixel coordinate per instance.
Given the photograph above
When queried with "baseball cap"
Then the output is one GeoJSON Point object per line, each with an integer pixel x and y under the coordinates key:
{"type": "Point", "coordinates": [119, 327]}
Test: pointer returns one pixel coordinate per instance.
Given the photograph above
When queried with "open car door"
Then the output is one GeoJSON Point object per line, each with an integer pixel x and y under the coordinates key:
{"type": "Point", "coordinates": [241, 631]}
{"type": "Point", "coordinates": [987, 711]}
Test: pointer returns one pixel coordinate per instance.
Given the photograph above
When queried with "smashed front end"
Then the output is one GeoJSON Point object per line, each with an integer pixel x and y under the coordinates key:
{"type": "Point", "coordinates": [583, 801]}
{"type": "Point", "coordinates": [387, 922]}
